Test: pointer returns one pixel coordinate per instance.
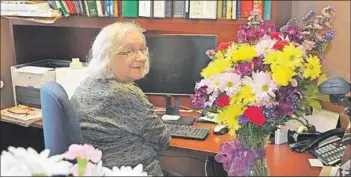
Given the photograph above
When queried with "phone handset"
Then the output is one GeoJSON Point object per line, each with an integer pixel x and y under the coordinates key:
{"type": "Point", "coordinates": [338, 132]}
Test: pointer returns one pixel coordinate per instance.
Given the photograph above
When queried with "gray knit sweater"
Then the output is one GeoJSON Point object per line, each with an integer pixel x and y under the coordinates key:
{"type": "Point", "coordinates": [118, 119]}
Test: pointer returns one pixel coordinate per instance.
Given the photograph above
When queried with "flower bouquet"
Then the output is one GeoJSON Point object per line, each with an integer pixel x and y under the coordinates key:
{"type": "Point", "coordinates": [28, 162]}
{"type": "Point", "coordinates": [258, 83]}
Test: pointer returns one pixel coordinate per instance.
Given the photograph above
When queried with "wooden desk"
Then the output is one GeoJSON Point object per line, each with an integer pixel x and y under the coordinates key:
{"type": "Point", "coordinates": [280, 159]}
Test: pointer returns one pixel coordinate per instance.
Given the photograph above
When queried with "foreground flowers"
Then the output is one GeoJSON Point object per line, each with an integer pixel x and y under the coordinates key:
{"type": "Point", "coordinates": [28, 162]}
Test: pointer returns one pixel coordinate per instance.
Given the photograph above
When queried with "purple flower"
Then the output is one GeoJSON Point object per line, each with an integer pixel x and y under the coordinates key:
{"type": "Point", "coordinates": [292, 30]}
{"type": "Point", "coordinates": [309, 16]}
{"type": "Point", "coordinates": [329, 36]}
{"type": "Point", "coordinates": [235, 159]}
{"type": "Point", "coordinates": [243, 120]}
{"type": "Point", "coordinates": [263, 29]}
{"type": "Point", "coordinates": [199, 98]}
{"type": "Point", "coordinates": [259, 66]}
{"type": "Point", "coordinates": [241, 35]}
{"type": "Point", "coordinates": [251, 35]}
{"type": "Point", "coordinates": [244, 69]}
{"type": "Point", "coordinates": [284, 97]}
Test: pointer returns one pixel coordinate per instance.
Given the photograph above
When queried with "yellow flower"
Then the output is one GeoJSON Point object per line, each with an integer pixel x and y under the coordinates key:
{"type": "Point", "coordinates": [272, 57]}
{"type": "Point", "coordinates": [244, 53]}
{"type": "Point", "coordinates": [229, 116]}
{"type": "Point", "coordinates": [282, 75]}
{"type": "Point", "coordinates": [243, 97]}
{"type": "Point", "coordinates": [231, 49]}
{"type": "Point", "coordinates": [215, 67]}
{"type": "Point", "coordinates": [313, 67]}
{"type": "Point", "coordinates": [219, 55]}
{"type": "Point", "coordinates": [291, 56]}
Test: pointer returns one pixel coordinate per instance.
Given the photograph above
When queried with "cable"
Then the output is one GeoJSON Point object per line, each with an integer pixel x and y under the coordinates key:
{"type": "Point", "coordinates": [206, 168]}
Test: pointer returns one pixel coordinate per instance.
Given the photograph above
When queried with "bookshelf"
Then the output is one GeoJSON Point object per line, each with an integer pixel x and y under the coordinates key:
{"type": "Point", "coordinates": [72, 36]}
{"type": "Point", "coordinates": [224, 28]}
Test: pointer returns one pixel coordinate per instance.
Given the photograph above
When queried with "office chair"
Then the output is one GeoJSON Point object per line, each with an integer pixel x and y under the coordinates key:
{"type": "Point", "coordinates": [60, 123]}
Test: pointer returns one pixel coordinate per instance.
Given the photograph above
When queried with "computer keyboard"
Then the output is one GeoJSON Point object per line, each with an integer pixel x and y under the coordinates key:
{"type": "Point", "coordinates": [187, 131]}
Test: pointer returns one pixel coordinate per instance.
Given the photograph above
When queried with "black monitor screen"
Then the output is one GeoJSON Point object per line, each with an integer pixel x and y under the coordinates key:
{"type": "Point", "coordinates": [175, 63]}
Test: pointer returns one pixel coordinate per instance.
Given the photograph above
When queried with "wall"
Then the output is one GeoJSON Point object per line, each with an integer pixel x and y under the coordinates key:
{"type": "Point", "coordinates": [338, 54]}
{"type": "Point", "coordinates": [7, 60]}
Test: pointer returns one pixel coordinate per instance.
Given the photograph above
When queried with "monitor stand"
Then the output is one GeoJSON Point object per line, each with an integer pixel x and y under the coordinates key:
{"type": "Point", "coordinates": [172, 109]}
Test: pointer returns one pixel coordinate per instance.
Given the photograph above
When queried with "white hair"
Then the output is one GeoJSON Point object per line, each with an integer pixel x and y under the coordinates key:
{"type": "Point", "coordinates": [107, 44]}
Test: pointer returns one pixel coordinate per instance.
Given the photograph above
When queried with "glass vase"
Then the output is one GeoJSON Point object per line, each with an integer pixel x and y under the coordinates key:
{"type": "Point", "coordinates": [259, 167]}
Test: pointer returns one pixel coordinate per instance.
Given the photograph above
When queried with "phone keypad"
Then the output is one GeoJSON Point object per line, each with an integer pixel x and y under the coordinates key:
{"type": "Point", "coordinates": [330, 154]}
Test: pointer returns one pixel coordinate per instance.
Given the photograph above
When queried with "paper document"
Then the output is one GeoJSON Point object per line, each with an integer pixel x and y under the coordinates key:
{"type": "Point", "coordinates": [70, 78]}
{"type": "Point", "coordinates": [315, 163]}
{"type": "Point", "coordinates": [323, 120]}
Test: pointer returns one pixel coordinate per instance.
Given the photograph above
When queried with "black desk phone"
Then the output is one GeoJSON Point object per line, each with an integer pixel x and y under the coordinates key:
{"type": "Point", "coordinates": [327, 147]}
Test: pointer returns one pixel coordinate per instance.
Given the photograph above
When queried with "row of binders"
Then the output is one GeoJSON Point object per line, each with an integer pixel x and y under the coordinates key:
{"type": "Point", "coordinates": [193, 9]}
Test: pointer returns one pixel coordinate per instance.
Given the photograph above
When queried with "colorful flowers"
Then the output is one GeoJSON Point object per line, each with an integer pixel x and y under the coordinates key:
{"type": "Point", "coordinates": [256, 84]}
{"type": "Point", "coordinates": [261, 78]}
{"type": "Point", "coordinates": [27, 162]}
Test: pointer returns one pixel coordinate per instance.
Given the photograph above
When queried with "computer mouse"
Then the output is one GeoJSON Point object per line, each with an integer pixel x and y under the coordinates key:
{"type": "Point", "coordinates": [220, 130]}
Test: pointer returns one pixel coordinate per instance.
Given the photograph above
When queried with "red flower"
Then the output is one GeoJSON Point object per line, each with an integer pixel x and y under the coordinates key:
{"type": "Point", "coordinates": [223, 46]}
{"type": "Point", "coordinates": [255, 115]}
{"type": "Point", "coordinates": [280, 45]}
{"type": "Point", "coordinates": [275, 35]}
{"type": "Point", "coordinates": [223, 101]}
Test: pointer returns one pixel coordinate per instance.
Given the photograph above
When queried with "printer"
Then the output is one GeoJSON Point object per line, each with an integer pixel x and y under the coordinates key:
{"type": "Point", "coordinates": [28, 78]}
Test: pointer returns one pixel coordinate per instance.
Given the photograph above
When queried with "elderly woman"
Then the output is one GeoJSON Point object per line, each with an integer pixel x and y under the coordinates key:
{"type": "Point", "coordinates": [114, 114]}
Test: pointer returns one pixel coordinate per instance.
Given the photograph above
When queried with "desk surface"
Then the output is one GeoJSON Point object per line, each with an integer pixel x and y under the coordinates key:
{"type": "Point", "coordinates": [280, 159]}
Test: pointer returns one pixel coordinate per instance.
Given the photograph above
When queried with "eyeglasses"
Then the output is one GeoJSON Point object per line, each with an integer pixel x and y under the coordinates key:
{"type": "Point", "coordinates": [134, 52]}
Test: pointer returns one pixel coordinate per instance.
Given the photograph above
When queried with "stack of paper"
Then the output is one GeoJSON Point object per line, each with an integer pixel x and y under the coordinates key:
{"type": "Point", "coordinates": [28, 9]}
{"type": "Point", "coordinates": [22, 115]}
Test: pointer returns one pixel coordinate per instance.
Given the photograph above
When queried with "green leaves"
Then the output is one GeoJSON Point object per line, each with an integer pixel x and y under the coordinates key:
{"type": "Point", "coordinates": [313, 96]}
{"type": "Point", "coordinates": [82, 164]}
{"type": "Point", "coordinates": [252, 136]}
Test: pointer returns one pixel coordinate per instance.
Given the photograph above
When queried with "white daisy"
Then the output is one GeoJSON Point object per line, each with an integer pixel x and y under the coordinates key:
{"type": "Point", "coordinates": [19, 161]}
{"type": "Point", "coordinates": [265, 46]}
{"type": "Point", "coordinates": [213, 84]}
{"type": "Point", "coordinates": [212, 98]}
{"type": "Point", "coordinates": [262, 86]}
{"type": "Point", "coordinates": [230, 83]}
{"type": "Point", "coordinates": [126, 171]}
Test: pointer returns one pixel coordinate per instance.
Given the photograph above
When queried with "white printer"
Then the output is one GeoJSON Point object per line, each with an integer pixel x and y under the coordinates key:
{"type": "Point", "coordinates": [28, 78]}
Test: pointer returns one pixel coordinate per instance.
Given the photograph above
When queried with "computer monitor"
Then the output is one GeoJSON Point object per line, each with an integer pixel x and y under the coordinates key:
{"type": "Point", "coordinates": [176, 62]}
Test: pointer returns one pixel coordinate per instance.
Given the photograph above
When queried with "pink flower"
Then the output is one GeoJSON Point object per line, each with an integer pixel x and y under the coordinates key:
{"type": "Point", "coordinates": [83, 151]}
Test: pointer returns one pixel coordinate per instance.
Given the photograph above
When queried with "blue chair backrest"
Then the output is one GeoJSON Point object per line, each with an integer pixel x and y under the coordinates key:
{"type": "Point", "coordinates": [60, 123]}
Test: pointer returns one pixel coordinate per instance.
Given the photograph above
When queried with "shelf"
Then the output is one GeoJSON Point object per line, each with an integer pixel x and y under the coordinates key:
{"type": "Point", "coordinates": [168, 24]}
{"type": "Point", "coordinates": [225, 29]}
